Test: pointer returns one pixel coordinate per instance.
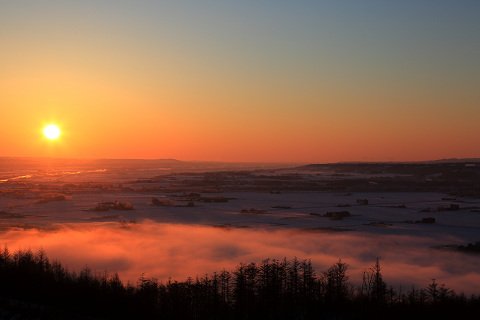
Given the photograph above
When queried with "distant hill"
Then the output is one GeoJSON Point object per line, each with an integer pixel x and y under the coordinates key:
{"type": "Point", "coordinates": [457, 160]}
{"type": "Point", "coordinates": [33, 163]}
{"type": "Point", "coordinates": [379, 164]}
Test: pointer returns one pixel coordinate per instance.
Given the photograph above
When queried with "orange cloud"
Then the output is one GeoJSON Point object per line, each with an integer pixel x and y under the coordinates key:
{"type": "Point", "coordinates": [179, 251]}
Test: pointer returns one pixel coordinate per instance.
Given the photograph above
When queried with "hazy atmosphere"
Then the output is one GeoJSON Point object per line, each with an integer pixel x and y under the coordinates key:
{"type": "Point", "coordinates": [239, 159]}
{"type": "Point", "coordinates": [274, 81]}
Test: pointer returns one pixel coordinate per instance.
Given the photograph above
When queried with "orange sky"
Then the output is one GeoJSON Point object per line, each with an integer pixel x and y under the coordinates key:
{"type": "Point", "coordinates": [289, 84]}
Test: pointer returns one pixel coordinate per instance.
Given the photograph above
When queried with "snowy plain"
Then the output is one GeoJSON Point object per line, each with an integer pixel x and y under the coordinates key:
{"type": "Point", "coordinates": [198, 226]}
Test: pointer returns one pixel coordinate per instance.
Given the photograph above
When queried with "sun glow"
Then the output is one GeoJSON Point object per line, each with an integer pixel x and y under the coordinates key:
{"type": "Point", "coordinates": [51, 132]}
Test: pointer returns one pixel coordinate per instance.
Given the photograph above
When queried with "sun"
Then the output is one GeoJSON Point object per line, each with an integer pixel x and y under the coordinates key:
{"type": "Point", "coordinates": [52, 132]}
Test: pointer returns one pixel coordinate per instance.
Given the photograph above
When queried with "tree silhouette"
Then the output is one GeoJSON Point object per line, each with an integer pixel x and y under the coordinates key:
{"type": "Point", "coordinates": [336, 283]}
{"type": "Point", "coordinates": [373, 286]}
{"type": "Point", "coordinates": [33, 286]}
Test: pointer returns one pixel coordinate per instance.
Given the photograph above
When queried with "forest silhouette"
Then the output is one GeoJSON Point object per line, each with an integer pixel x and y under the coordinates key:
{"type": "Point", "coordinates": [32, 286]}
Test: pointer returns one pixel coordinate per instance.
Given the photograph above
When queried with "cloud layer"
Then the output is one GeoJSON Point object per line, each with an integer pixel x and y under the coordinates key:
{"type": "Point", "coordinates": [178, 251]}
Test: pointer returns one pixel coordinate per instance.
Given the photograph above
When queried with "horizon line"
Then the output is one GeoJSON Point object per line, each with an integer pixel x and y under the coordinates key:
{"type": "Point", "coordinates": [467, 159]}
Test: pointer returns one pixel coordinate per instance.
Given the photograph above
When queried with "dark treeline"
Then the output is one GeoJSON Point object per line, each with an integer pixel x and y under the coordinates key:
{"type": "Point", "coordinates": [31, 286]}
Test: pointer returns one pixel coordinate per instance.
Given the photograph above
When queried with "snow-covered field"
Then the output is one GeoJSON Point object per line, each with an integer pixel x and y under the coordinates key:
{"type": "Point", "coordinates": [191, 233]}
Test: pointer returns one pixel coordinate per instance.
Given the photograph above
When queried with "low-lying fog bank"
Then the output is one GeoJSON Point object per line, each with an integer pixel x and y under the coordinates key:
{"type": "Point", "coordinates": [178, 251]}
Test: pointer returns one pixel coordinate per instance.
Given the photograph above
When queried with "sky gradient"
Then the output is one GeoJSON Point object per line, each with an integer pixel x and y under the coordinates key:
{"type": "Point", "coordinates": [296, 81]}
